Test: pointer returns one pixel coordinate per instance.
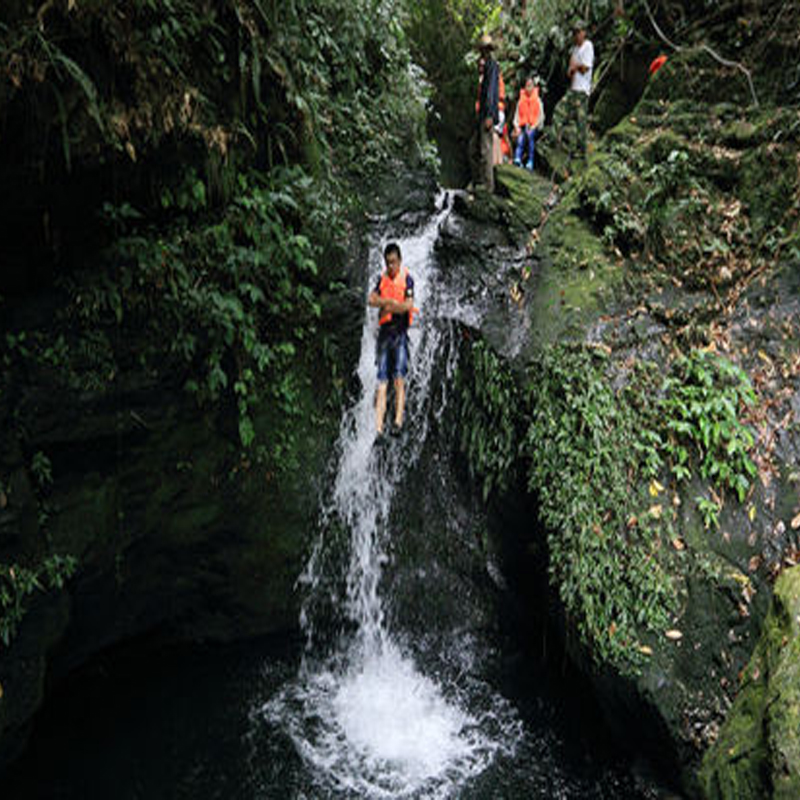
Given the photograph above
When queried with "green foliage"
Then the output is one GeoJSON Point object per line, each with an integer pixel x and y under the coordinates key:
{"type": "Point", "coordinates": [701, 413]}
{"type": "Point", "coordinates": [488, 412]}
{"type": "Point", "coordinates": [585, 445]}
{"type": "Point", "coordinates": [17, 583]}
{"type": "Point", "coordinates": [227, 304]}
{"type": "Point", "coordinates": [535, 40]}
{"type": "Point", "coordinates": [594, 455]}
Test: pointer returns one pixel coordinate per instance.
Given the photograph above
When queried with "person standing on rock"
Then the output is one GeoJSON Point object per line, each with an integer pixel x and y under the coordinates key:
{"type": "Point", "coordinates": [394, 296]}
{"type": "Point", "coordinates": [579, 73]}
{"type": "Point", "coordinates": [488, 111]}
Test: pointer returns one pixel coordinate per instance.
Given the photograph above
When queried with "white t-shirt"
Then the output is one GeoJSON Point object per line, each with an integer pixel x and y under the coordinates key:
{"type": "Point", "coordinates": [582, 82]}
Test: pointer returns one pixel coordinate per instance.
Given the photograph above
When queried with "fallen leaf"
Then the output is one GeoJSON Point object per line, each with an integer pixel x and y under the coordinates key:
{"type": "Point", "coordinates": [796, 523]}
{"type": "Point", "coordinates": [612, 628]}
{"type": "Point", "coordinates": [645, 650]}
{"type": "Point", "coordinates": [752, 513]}
{"type": "Point", "coordinates": [633, 522]}
{"type": "Point", "coordinates": [678, 544]}
{"type": "Point", "coordinates": [655, 511]}
{"type": "Point", "coordinates": [754, 563]}
{"type": "Point", "coordinates": [674, 635]}
{"type": "Point", "coordinates": [655, 488]}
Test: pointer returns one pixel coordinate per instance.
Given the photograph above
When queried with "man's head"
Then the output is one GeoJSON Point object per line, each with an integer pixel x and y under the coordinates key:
{"type": "Point", "coordinates": [579, 31]}
{"type": "Point", "coordinates": [529, 84]}
{"type": "Point", "coordinates": [485, 46]}
{"type": "Point", "coordinates": [393, 259]}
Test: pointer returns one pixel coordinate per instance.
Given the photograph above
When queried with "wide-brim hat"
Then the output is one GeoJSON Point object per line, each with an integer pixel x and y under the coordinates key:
{"type": "Point", "coordinates": [485, 42]}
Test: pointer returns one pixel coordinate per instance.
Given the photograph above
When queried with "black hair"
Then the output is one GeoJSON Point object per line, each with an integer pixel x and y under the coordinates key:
{"type": "Point", "coordinates": [392, 247]}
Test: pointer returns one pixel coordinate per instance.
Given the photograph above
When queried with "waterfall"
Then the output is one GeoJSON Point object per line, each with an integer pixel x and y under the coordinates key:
{"type": "Point", "coordinates": [362, 715]}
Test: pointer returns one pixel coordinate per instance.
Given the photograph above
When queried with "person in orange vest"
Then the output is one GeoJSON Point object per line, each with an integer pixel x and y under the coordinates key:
{"type": "Point", "coordinates": [528, 119]}
{"type": "Point", "coordinates": [394, 296]}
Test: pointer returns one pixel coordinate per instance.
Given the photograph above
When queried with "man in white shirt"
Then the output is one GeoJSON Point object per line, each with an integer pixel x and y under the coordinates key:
{"type": "Point", "coordinates": [581, 63]}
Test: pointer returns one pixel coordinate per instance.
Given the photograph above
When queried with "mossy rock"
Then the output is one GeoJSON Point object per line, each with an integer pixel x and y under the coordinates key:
{"type": "Point", "coordinates": [758, 751]}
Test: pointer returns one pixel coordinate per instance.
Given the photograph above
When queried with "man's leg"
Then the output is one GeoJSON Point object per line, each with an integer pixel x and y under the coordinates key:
{"type": "Point", "coordinates": [487, 167]}
{"type": "Point", "coordinates": [399, 374]}
{"type": "Point", "coordinates": [531, 136]}
{"type": "Point", "coordinates": [582, 115]}
{"type": "Point", "coordinates": [399, 401]}
{"type": "Point", "coordinates": [520, 148]}
{"type": "Point", "coordinates": [383, 384]}
{"type": "Point", "coordinates": [380, 406]}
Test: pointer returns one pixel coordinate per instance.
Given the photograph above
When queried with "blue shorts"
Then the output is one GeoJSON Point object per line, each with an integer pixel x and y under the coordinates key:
{"type": "Point", "coordinates": [392, 357]}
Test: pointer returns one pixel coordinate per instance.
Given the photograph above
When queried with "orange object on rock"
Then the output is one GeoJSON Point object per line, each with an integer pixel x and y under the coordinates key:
{"type": "Point", "coordinates": [657, 63]}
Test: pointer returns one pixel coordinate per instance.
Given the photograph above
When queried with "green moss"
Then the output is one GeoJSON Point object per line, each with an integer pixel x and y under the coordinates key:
{"type": "Point", "coordinates": [758, 751]}
{"type": "Point", "coordinates": [575, 281]}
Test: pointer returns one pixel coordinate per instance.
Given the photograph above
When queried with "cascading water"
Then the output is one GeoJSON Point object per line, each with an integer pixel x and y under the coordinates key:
{"type": "Point", "coordinates": [364, 718]}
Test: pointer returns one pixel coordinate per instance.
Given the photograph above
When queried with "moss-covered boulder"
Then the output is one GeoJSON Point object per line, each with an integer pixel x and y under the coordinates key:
{"type": "Point", "coordinates": [757, 753]}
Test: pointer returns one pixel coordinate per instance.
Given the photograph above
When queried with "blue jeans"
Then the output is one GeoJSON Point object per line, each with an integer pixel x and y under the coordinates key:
{"type": "Point", "coordinates": [392, 356]}
{"type": "Point", "coordinates": [526, 136]}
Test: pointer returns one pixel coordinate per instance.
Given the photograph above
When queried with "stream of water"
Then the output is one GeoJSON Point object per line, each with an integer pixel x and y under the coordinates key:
{"type": "Point", "coordinates": [364, 717]}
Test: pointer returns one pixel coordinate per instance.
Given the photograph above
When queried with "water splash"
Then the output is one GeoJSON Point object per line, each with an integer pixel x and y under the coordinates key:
{"type": "Point", "coordinates": [364, 718]}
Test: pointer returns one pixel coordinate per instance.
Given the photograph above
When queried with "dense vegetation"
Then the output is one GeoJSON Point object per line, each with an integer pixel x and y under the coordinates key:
{"type": "Point", "coordinates": [222, 152]}
{"type": "Point", "coordinates": [595, 458]}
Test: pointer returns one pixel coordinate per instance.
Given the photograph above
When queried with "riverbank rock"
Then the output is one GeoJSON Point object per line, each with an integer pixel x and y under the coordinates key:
{"type": "Point", "coordinates": [757, 753]}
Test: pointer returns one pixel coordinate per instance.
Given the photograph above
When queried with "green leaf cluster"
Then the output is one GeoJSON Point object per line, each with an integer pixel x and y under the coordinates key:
{"type": "Point", "coordinates": [17, 583]}
{"type": "Point", "coordinates": [489, 406]}
{"type": "Point", "coordinates": [704, 397]}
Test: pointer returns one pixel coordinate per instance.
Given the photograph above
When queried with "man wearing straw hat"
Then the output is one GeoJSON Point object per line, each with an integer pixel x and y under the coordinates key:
{"type": "Point", "coordinates": [488, 111]}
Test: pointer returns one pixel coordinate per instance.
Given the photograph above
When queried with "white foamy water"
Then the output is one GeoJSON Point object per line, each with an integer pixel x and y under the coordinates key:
{"type": "Point", "coordinates": [364, 718]}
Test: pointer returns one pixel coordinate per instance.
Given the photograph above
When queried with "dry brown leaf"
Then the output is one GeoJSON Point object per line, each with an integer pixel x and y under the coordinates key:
{"type": "Point", "coordinates": [795, 522]}
{"type": "Point", "coordinates": [678, 544]}
{"type": "Point", "coordinates": [674, 635]}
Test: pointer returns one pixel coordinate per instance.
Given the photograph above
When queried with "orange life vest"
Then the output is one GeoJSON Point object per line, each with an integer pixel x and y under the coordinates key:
{"type": "Point", "coordinates": [529, 108]}
{"type": "Point", "coordinates": [395, 290]}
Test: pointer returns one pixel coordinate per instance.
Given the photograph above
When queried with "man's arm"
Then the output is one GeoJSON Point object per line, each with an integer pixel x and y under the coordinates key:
{"type": "Point", "coordinates": [387, 304]}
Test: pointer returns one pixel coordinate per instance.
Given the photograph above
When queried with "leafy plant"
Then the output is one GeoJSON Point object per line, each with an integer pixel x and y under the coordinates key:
{"type": "Point", "coordinates": [701, 407]}
{"type": "Point", "coordinates": [17, 583]}
{"type": "Point", "coordinates": [488, 413]}
{"type": "Point", "coordinates": [587, 456]}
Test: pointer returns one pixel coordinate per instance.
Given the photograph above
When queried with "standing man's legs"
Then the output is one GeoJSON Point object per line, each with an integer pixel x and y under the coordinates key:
{"type": "Point", "coordinates": [487, 151]}
{"type": "Point", "coordinates": [582, 116]}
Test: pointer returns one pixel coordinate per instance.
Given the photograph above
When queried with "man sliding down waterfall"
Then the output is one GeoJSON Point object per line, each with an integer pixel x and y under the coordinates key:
{"type": "Point", "coordinates": [394, 296]}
